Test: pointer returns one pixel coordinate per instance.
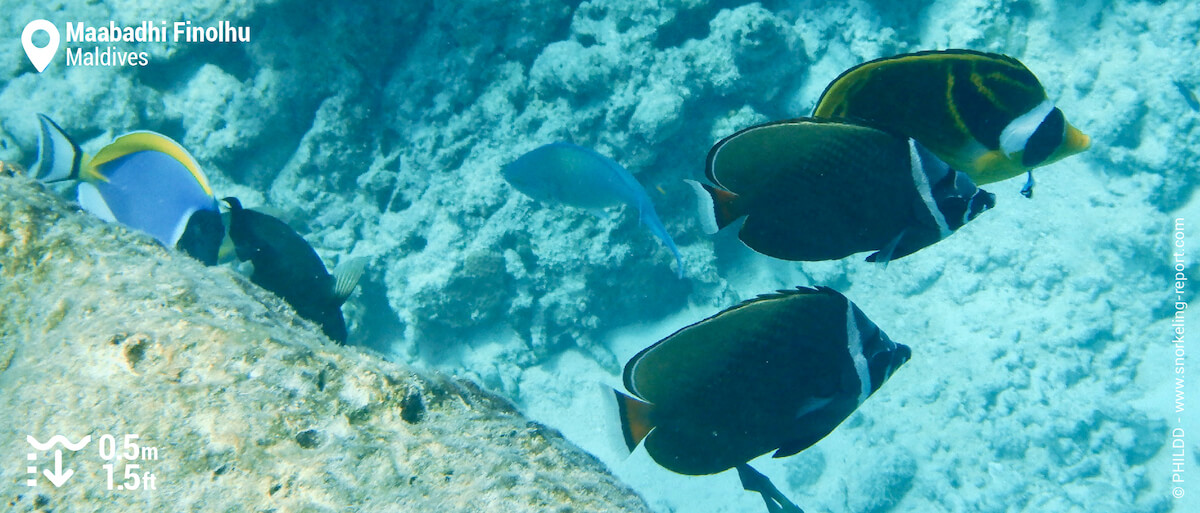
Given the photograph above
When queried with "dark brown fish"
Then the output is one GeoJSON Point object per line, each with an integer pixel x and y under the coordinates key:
{"type": "Point", "coordinates": [813, 189]}
{"type": "Point", "coordinates": [286, 265]}
{"type": "Point", "coordinates": [776, 373]}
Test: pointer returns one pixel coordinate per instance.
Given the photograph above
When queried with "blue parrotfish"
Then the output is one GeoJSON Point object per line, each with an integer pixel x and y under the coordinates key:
{"type": "Point", "coordinates": [143, 180]}
{"type": "Point", "coordinates": [561, 172]}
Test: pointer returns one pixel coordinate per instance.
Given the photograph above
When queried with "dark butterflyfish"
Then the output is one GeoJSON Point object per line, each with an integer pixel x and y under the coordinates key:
{"type": "Point", "coordinates": [813, 189]}
{"type": "Point", "coordinates": [565, 173]}
{"type": "Point", "coordinates": [985, 114]}
{"type": "Point", "coordinates": [776, 373]}
{"type": "Point", "coordinates": [143, 180]}
{"type": "Point", "coordinates": [286, 265]}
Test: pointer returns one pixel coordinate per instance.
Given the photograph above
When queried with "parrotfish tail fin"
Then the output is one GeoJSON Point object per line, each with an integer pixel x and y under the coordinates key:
{"type": "Point", "coordinates": [59, 158]}
{"type": "Point", "coordinates": [886, 253]}
{"type": "Point", "coordinates": [716, 206]}
{"type": "Point", "coordinates": [755, 481]}
{"type": "Point", "coordinates": [1027, 190]}
{"type": "Point", "coordinates": [635, 419]}
{"type": "Point", "coordinates": [649, 218]}
{"type": "Point", "coordinates": [346, 276]}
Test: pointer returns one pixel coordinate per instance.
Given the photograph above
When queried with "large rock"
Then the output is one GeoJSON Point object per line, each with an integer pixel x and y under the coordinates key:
{"type": "Point", "coordinates": [102, 332]}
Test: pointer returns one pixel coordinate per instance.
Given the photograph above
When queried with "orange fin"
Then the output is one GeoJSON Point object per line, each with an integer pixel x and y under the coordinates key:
{"type": "Point", "coordinates": [717, 206]}
{"type": "Point", "coordinates": [635, 419]}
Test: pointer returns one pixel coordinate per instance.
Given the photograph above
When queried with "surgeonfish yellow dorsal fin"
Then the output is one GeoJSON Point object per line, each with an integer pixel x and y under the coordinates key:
{"type": "Point", "coordinates": [145, 140]}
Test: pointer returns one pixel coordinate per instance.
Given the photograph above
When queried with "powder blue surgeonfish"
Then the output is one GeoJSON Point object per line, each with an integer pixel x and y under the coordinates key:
{"type": "Point", "coordinates": [565, 173]}
{"type": "Point", "coordinates": [143, 180]}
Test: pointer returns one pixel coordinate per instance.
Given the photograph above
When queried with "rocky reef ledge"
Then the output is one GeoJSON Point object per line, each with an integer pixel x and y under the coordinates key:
{"type": "Point", "coordinates": [246, 406]}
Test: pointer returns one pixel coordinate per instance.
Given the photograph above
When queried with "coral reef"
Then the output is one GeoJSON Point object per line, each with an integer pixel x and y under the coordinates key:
{"type": "Point", "coordinates": [249, 407]}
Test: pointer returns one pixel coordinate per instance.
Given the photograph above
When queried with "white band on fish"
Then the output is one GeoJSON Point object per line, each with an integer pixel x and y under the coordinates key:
{"type": "Point", "coordinates": [855, 346]}
{"type": "Point", "coordinates": [1018, 132]}
{"type": "Point", "coordinates": [925, 189]}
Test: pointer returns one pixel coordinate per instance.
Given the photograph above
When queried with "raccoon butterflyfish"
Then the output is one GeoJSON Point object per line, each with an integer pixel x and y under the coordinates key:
{"type": "Point", "coordinates": [984, 114]}
{"type": "Point", "coordinates": [814, 189]}
{"type": "Point", "coordinates": [143, 180]}
{"type": "Point", "coordinates": [286, 265]}
{"type": "Point", "coordinates": [776, 373]}
{"type": "Point", "coordinates": [565, 173]}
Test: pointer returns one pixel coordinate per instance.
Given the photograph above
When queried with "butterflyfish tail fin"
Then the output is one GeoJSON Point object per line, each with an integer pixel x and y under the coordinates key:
{"type": "Point", "coordinates": [716, 206]}
{"type": "Point", "coordinates": [59, 158]}
{"type": "Point", "coordinates": [346, 276]}
{"type": "Point", "coordinates": [635, 419]}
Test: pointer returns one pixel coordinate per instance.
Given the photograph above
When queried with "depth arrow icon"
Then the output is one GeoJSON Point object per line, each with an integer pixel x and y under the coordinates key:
{"type": "Point", "coordinates": [58, 477]}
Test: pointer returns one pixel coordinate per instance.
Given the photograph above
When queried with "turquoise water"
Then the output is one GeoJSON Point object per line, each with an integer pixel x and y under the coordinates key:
{"type": "Point", "coordinates": [1044, 366]}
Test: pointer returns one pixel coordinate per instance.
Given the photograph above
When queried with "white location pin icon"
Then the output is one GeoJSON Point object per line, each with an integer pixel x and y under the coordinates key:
{"type": "Point", "coordinates": [40, 57]}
